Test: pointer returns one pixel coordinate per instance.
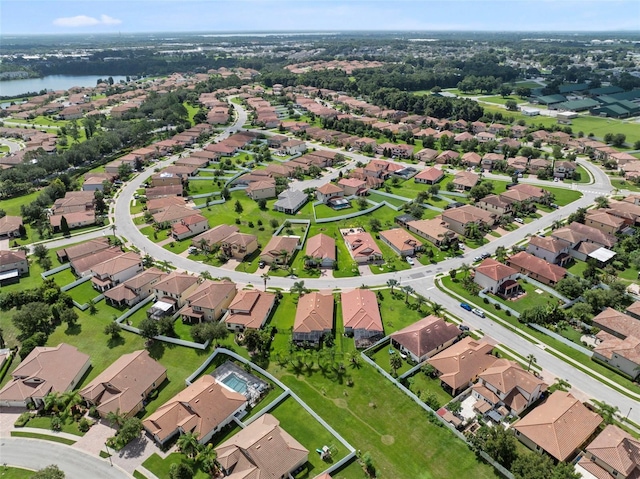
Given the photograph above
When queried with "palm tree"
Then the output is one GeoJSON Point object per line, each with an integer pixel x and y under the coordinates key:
{"type": "Point", "coordinates": [407, 291]}
{"type": "Point", "coordinates": [472, 230]}
{"type": "Point", "coordinates": [602, 202]}
{"type": "Point", "coordinates": [395, 361]}
{"type": "Point", "coordinates": [557, 224]}
{"type": "Point", "coordinates": [188, 444]}
{"type": "Point", "coordinates": [265, 277]}
{"type": "Point", "coordinates": [531, 359]}
{"type": "Point", "coordinates": [52, 402]}
{"type": "Point", "coordinates": [437, 310]}
{"type": "Point", "coordinates": [501, 254]}
{"type": "Point", "coordinates": [207, 458]}
{"type": "Point", "coordinates": [206, 275]}
{"type": "Point", "coordinates": [392, 283]}
{"type": "Point", "coordinates": [420, 301]}
{"type": "Point", "coordinates": [202, 244]}
{"type": "Point", "coordinates": [116, 418]}
{"type": "Point", "coordinates": [466, 269]}
{"type": "Point", "coordinates": [354, 359]}
{"type": "Point", "coordinates": [284, 254]}
{"type": "Point", "coordinates": [606, 411]}
{"type": "Point", "coordinates": [298, 287]}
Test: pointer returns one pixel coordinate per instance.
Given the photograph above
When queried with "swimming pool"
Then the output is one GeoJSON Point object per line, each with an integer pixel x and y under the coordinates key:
{"type": "Point", "coordinates": [236, 383]}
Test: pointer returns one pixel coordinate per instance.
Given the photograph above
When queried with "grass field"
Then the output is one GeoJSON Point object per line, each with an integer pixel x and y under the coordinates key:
{"type": "Point", "coordinates": [7, 472]}
{"type": "Point", "coordinates": [12, 206]}
{"type": "Point", "coordinates": [421, 384]}
{"type": "Point", "coordinates": [531, 299]}
{"type": "Point", "coordinates": [160, 467]}
{"type": "Point", "coordinates": [582, 176]}
{"type": "Point", "coordinates": [46, 437]}
{"type": "Point", "coordinates": [502, 101]}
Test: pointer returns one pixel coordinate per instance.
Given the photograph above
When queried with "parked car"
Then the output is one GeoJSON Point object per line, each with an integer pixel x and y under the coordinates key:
{"type": "Point", "coordinates": [478, 312]}
{"type": "Point", "coordinates": [410, 260]}
{"type": "Point", "coordinates": [261, 264]}
{"type": "Point", "coordinates": [485, 255]}
{"type": "Point", "coordinates": [462, 327]}
{"type": "Point", "coordinates": [466, 306]}
{"type": "Point", "coordinates": [477, 258]}
{"type": "Point", "coordinates": [519, 220]}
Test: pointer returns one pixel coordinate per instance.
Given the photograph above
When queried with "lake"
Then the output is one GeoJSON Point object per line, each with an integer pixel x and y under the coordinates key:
{"type": "Point", "coordinates": [51, 82]}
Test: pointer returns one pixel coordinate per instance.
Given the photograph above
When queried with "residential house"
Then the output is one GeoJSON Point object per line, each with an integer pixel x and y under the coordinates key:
{"type": "Point", "coordinates": [614, 453]}
{"type": "Point", "coordinates": [518, 163]}
{"type": "Point", "coordinates": [292, 147]}
{"type": "Point", "coordinates": [537, 268]}
{"type": "Point", "coordinates": [261, 190]}
{"type": "Point", "coordinates": [427, 155]}
{"type": "Point", "coordinates": [13, 265]}
{"type": "Point", "coordinates": [425, 338]}
{"type": "Point", "coordinates": [189, 226]}
{"type": "Point", "coordinates": [290, 201]}
{"type": "Point", "coordinates": [162, 191]}
{"type": "Point", "coordinates": [203, 408]}
{"type": "Point", "coordinates": [551, 249]}
{"type": "Point", "coordinates": [328, 191]}
{"type": "Point", "coordinates": [627, 210]}
{"type": "Point", "coordinates": [166, 179]}
{"type": "Point", "coordinates": [124, 386]}
{"type": "Point", "coordinates": [361, 316]}
{"type": "Point", "coordinates": [362, 247]}
{"type": "Point", "coordinates": [173, 214]}
{"type": "Point", "coordinates": [10, 226]}
{"type": "Point", "coordinates": [430, 176]}
{"type": "Point", "coordinates": [459, 365]}
{"type": "Point", "coordinates": [322, 249]}
{"type": "Point", "coordinates": [280, 250]}
{"type": "Point", "coordinates": [156, 205]}
{"type": "Point", "coordinates": [604, 221]}
{"type": "Point", "coordinates": [495, 204]}
{"type": "Point", "coordinates": [353, 186]}
{"type": "Point", "coordinates": [262, 449]}
{"type": "Point", "coordinates": [537, 164]}
{"type": "Point", "coordinates": [458, 219]}
{"type": "Point", "coordinates": [472, 159]}
{"type": "Point", "coordinates": [490, 159]}
{"type": "Point", "coordinates": [506, 384]}
{"type": "Point", "coordinates": [618, 342]}
{"type": "Point", "coordinates": [564, 169]}
{"type": "Point", "coordinates": [314, 318]}
{"type": "Point", "coordinates": [447, 157]}
{"type": "Point", "coordinates": [209, 301]}
{"type": "Point", "coordinates": [249, 310]}
{"type": "Point", "coordinates": [232, 243]}
{"type": "Point", "coordinates": [496, 278]}
{"type": "Point", "coordinates": [175, 288]}
{"type": "Point", "coordinates": [465, 180]}
{"type": "Point", "coordinates": [77, 219]}
{"type": "Point", "coordinates": [134, 290]}
{"type": "Point", "coordinates": [45, 370]}
{"type": "Point", "coordinates": [401, 242]}
{"type": "Point", "coordinates": [81, 266]}
{"type": "Point", "coordinates": [114, 271]}
{"type": "Point", "coordinates": [528, 193]}
{"type": "Point", "coordinates": [559, 426]}
{"type": "Point", "coordinates": [433, 230]}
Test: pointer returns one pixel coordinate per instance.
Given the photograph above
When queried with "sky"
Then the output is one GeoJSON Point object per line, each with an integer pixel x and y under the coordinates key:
{"type": "Point", "coordinates": [113, 16]}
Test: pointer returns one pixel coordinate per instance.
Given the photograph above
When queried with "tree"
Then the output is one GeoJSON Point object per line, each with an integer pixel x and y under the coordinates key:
{"type": "Point", "coordinates": [557, 224]}
{"type": "Point", "coordinates": [130, 430]}
{"type": "Point", "coordinates": [511, 105]}
{"type": "Point", "coordinates": [536, 315]}
{"type": "Point", "coordinates": [407, 291]}
{"type": "Point", "coordinates": [40, 251]}
{"type": "Point", "coordinates": [572, 287]}
{"type": "Point", "coordinates": [148, 328]}
{"type": "Point", "coordinates": [165, 326]}
{"type": "Point", "coordinates": [499, 443]}
{"type": "Point", "coordinates": [188, 444]}
{"type": "Point", "coordinates": [581, 312]}
{"type": "Point", "coordinates": [262, 204]}
{"type": "Point", "coordinates": [32, 318]}
{"type": "Point", "coordinates": [124, 171]}
{"type": "Point", "coordinates": [207, 458]}
{"type": "Point", "coordinates": [532, 466]}
{"type": "Point", "coordinates": [209, 332]}
{"type": "Point", "coordinates": [437, 309]}
{"type": "Point", "coordinates": [466, 270]}
{"type": "Point", "coordinates": [395, 362]}
{"type": "Point", "coordinates": [606, 411]}
{"type": "Point", "coordinates": [298, 288]}
{"type": "Point", "coordinates": [420, 301]}
{"type": "Point", "coordinates": [453, 273]}
{"type": "Point", "coordinates": [64, 226]}
{"type": "Point", "coordinates": [501, 254]}
{"type": "Point", "coordinates": [375, 225]}
{"type": "Point", "coordinates": [49, 472]}
{"type": "Point", "coordinates": [367, 465]}
{"type": "Point", "coordinates": [116, 418]}
{"type": "Point", "coordinates": [113, 329]}
{"type": "Point", "coordinates": [69, 316]}
{"type": "Point", "coordinates": [238, 207]}
{"type": "Point", "coordinates": [530, 360]}
{"type": "Point", "coordinates": [602, 202]}
{"type": "Point", "coordinates": [578, 216]}
{"type": "Point", "coordinates": [392, 283]}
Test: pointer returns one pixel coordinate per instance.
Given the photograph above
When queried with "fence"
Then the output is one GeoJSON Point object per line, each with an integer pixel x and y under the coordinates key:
{"type": "Point", "coordinates": [483, 295]}
{"type": "Point", "coordinates": [452, 193]}
{"type": "Point", "coordinates": [562, 339]}
{"type": "Point", "coordinates": [350, 215]}
{"type": "Point", "coordinates": [77, 282]}
{"type": "Point", "coordinates": [51, 272]}
{"type": "Point", "coordinates": [295, 222]}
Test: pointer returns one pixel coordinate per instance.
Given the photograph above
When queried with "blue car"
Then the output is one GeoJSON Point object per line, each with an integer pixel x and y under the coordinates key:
{"type": "Point", "coordinates": [466, 306]}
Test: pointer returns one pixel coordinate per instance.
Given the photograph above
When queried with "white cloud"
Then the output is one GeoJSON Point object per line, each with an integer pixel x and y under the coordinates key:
{"type": "Point", "coordinates": [85, 21]}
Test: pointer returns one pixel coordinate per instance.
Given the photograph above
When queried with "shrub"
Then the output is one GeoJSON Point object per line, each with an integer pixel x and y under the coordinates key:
{"type": "Point", "coordinates": [56, 423]}
{"type": "Point", "coordinates": [93, 412]}
{"type": "Point", "coordinates": [84, 424]}
{"type": "Point", "coordinates": [23, 419]}
{"type": "Point", "coordinates": [486, 300]}
{"type": "Point", "coordinates": [237, 221]}
{"type": "Point", "coordinates": [507, 312]}
{"type": "Point", "coordinates": [497, 306]}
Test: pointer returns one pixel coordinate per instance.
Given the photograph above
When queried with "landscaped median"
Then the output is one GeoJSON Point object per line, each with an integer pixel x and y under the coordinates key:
{"type": "Point", "coordinates": [574, 357]}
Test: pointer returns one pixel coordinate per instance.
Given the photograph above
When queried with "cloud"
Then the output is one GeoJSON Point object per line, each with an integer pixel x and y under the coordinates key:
{"type": "Point", "coordinates": [85, 21]}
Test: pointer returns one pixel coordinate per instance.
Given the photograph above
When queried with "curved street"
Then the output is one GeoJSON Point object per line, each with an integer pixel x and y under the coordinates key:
{"type": "Point", "coordinates": [37, 454]}
{"type": "Point", "coordinates": [421, 278]}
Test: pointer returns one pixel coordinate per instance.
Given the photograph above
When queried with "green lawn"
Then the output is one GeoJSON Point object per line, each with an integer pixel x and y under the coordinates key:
{"type": "Point", "coordinates": [409, 188]}
{"type": "Point", "coordinates": [44, 422]}
{"type": "Point", "coordinates": [309, 432]}
{"type": "Point", "coordinates": [160, 467]}
{"type": "Point", "coordinates": [382, 358]}
{"type": "Point", "coordinates": [622, 184]}
{"type": "Point", "coordinates": [178, 247]}
{"type": "Point", "coordinates": [7, 472]}
{"type": "Point", "coordinates": [84, 292]}
{"type": "Point", "coordinates": [64, 277]}
{"type": "Point", "coordinates": [421, 384]}
{"type": "Point", "coordinates": [12, 205]}
{"type": "Point", "coordinates": [392, 262]}
{"type": "Point", "coordinates": [529, 300]}
{"type": "Point", "coordinates": [324, 211]}
{"type": "Point", "coordinates": [45, 437]}
{"type": "Point", "coordinates": [380, 198]}
{"type": "Point", "coordinates": [581, 176]}
{"type": "Point", "coordinates": [200, 187]}
{"type": "Point", "coordinates": [563, 196]}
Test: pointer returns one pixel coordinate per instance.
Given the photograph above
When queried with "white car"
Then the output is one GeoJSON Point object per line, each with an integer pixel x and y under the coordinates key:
{"type": "Point", "coordinates": [410, 260]}
{"type": "Point", "coordinates": [478, 312]}
{"type": "Point", "coordinates": [519, 220]}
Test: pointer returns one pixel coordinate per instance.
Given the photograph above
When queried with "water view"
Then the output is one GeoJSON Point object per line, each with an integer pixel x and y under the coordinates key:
{"type": "Point", "coordinates": [50, 82]}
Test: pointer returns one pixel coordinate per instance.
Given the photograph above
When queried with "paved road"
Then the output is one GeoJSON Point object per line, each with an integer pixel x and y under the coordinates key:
{"type": "Point", "coordinates": [421, 278]}
{"type": "Point", "coordinates": [12, 144]}
{"type": "Point", "coordinates": [36, 454]}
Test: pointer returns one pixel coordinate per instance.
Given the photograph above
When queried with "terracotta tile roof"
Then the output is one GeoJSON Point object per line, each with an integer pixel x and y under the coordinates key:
{"type": "Point", "coordinates": [594, 235]}
{"type": "Point", "coordinates": [9, 224]}
{"type": "Point", "coordinates": [321, 246]}
{"type": "Point", "coordinates": [592, 468]}
{"type": "Point", "coordinates": [471, 158]}
{"type": "Point", "coordinates": [401, 239]}
{"type": "Point", "coordinates": [352, 182]}
{"type": "Point", "coordinates": [261, 185]}
{"type": "Point", "coordinates": [360, 310]}
{"type": "Point", "coordinates": [199, 408]}
{"type": "Point", "coordinates": [125, 290]}
{"type": "Point", "coordinates": [560, 425]}
{"type": "Point", "coordinates": [173, 213]}
{"type": "Point", "coordinates": [215, 235]}
{"type": "Point", "coordinates": [261, 450]}
{"type": "Point", "coordinates": [460, 363]}
{"type": "Point", "coordinates": [618, 449]}
{"type": "Point", "coordinates": [164, 202]}
{"type": "Point", "coordinates": [549, 243]}
{"type": "Point", "coordinates": [605, 218]}
{"type": "Point", "coordinates": [44, 370]}
{"type": "Point", "coordinates": [122, 385]}
{"type": "Point", "coordinates": [505, 376]}
{"type": "Point", "coordinates": [494, 269]}
{"type": "Point", "coordinates": [620, 323]}
{"type": "Point", "coordinates": [532, 191]}
{"type": "Point", "coordinates": [83, 264]}
{"type": "Point", "coordinates": [118, 264]}
{"type": "Point", "coordinates": [430, 174]}
{"type": "Point", "coordinates": [329, 189]}
{"type": "Point", "coordinates": [634, 308]}
{"type": "Point", "coordinates": [314, 313]}
{"type": "Point", "coordinates": [362, 245]}
{"type": "Point", "coordinates": [426, 335]}
{"type": "Point", "coordinates": [250, 308]}
{"type": "Point", "coordinates": [10, 257]}
{"type": "Point", "coordinates": [176, 283]}
{"type": "Point", "coordinates": [435, 228]}
{"type": "Point", "coordinates": [538, 266]}
{"type": "Point", "coordinates": [278, 243]}
{"type": "Point", "coordinates": [210, 294]}
{"type": "Point", "coordinates": [467, 214]}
